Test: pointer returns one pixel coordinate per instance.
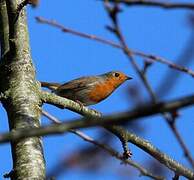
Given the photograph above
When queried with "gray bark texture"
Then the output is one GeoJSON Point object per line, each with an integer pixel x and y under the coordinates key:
{"type": "Point", "coordinates": [21, 91]}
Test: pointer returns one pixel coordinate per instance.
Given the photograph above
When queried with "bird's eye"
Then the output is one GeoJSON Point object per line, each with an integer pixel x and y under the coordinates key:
{"type": "Point", "coordinates": [116, 74]}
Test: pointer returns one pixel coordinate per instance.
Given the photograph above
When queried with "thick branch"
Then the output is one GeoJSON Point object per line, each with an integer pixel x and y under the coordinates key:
{"type": "Point", "coordinates": [112, 152]}
{"type": "Point", "coordinates": [105, 120]}
{"type": "Point", "coordinates": [64, 127]}
{"type": "Point", "coordinates": [143, 144]}
{"type": "Point", "coordinates": [186, 151]}
{"type": "Point", "coordinates": [113, 13]}
{"type": "Point", "coordinates": [166, 5]}
{"type": "Point", "coordinates": [108, 149]}
{"type": "Point", "coordinates": [156, 153]}
{"type": "Point", "coordinates": [122, 117]}
{"type": "Point", "coordinates": [62, 102]}
{"type": "Point", "coordinates": [79, 108]}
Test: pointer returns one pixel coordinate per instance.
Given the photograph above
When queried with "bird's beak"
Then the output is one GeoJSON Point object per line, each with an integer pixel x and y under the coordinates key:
{"type": "Point", "coordinates": [128, 78]}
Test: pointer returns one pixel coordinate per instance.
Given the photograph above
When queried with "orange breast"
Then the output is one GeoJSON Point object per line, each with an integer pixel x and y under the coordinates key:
{"type": "Point", "coordinates": [101, 91]}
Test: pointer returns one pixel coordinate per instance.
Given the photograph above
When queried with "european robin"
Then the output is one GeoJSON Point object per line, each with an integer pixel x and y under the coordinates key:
{"type": "Point", "coordinates": [89, 90]}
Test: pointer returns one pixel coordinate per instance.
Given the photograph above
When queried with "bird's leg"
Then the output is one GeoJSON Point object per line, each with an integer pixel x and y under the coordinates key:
{"type": "Point", "coordinates": [80, 103]}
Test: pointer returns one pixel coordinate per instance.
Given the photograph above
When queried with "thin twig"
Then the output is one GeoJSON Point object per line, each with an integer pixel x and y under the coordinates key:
{"type": "Point", "coordinates": [140, 112]}
{"type": "Point", "coordinates": [58, 101]}
{"type": "Point", "coordinates": [181, 142]}
{"type": "Point", "coordinates": [138, 53]}
{"type": "Point", "coordinates": [166, 5]}
{"type": "Point", "coordinates": [66, 126]}
{"type": "Point", "coordinates": [170, 78]}
{"type": "Point", "coordinates": [142, 170]}
{"type": "Point", "coordinates": [168, 118]}
{"type": "Point", "coordinates": [116, 45]}
{"type": "Point", "coordinates": [108, 149]}
{"type": "Point", "coordinates": [51, 117]}
{"type": "Point", "coordinates": [116, 30]}
{"type": "Point", "coordinates": [129, 51]}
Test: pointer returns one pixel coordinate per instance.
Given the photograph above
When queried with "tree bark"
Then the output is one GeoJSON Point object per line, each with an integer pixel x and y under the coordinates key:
{"type": "Point", "coordinates": [21, 91]}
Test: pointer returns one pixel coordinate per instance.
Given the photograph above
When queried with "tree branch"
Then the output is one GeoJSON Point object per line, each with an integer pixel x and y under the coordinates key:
{"type": "Point", "coordinates": [141, 112]}
{"type": "Point", "coordinates": [53, 99]}
{"type": "Point", "coordinates": [112, 152]}
{"type": "Point", "coordinates": [165, 5]}
{"type": "Point", "coordinates": [186, 151]}
{"type": "Point", "coordinates": [113, 14]}
{"type": "Point", "coordinates": [108, 149]}
{"type": "Point", "coordinates": [141, 143]}
{"type": "Point", "coordinates": [88, 113]}
{"type": "Point", "coordinates": [157, 154]}
{"type": "Point", "coordinates": [116, 45]}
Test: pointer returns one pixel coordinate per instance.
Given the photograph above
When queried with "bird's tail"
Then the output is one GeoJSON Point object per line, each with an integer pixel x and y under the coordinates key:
{"type": "Point", "coordinates": [50, 85]}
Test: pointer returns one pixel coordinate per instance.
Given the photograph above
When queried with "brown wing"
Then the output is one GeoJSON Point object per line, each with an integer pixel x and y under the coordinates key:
{"type": "Point", "coordinates": [72, 87]}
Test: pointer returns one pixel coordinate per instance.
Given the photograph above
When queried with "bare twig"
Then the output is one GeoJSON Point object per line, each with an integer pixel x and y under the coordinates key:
{"type": "Point", "coordinates": [113, 44]}
{"type": "Point", "coordinates": [133, 62]}
{"type": "Point", "coordinates": [58, 101]}
{"type": "Point", "coordinates": [64, 127]}
{"type": "Point", "coordinates": [170, 78]}
{"type": "Point", "coordinates": [109, 150]}
{"type": "Point", "coordinates": [147, 64]}
{"type": "Point", "coordinates": [51, 117]}
{"type": "Point", "coordinates": [181, 142]}
{"type": "Point", "coordinates": [166, 5]}
{"type": "Point", "coordinates": [152, 57]}
{"type": "Point", "coordinates": [116, 30]}
{"type": "Point", "coordinates": [142, 170]}
{"type": "Point", "coordinates": [113, 12]}
{"type": "Point", "coordinates": [143, 111]}
{"type": "Point", "coordinates": [171, 65]}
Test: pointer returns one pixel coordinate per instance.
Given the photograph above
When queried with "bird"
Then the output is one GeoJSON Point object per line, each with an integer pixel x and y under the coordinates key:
{"type": "Point", "coordinates": [89, 90]}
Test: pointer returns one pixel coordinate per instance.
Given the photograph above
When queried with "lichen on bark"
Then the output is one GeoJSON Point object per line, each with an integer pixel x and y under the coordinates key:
{"type": "Point", "coordinates": [18, 82]}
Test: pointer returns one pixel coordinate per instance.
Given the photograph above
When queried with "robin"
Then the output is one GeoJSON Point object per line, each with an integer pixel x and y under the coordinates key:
{"type": "Point", "coordinates": [89, 90]}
